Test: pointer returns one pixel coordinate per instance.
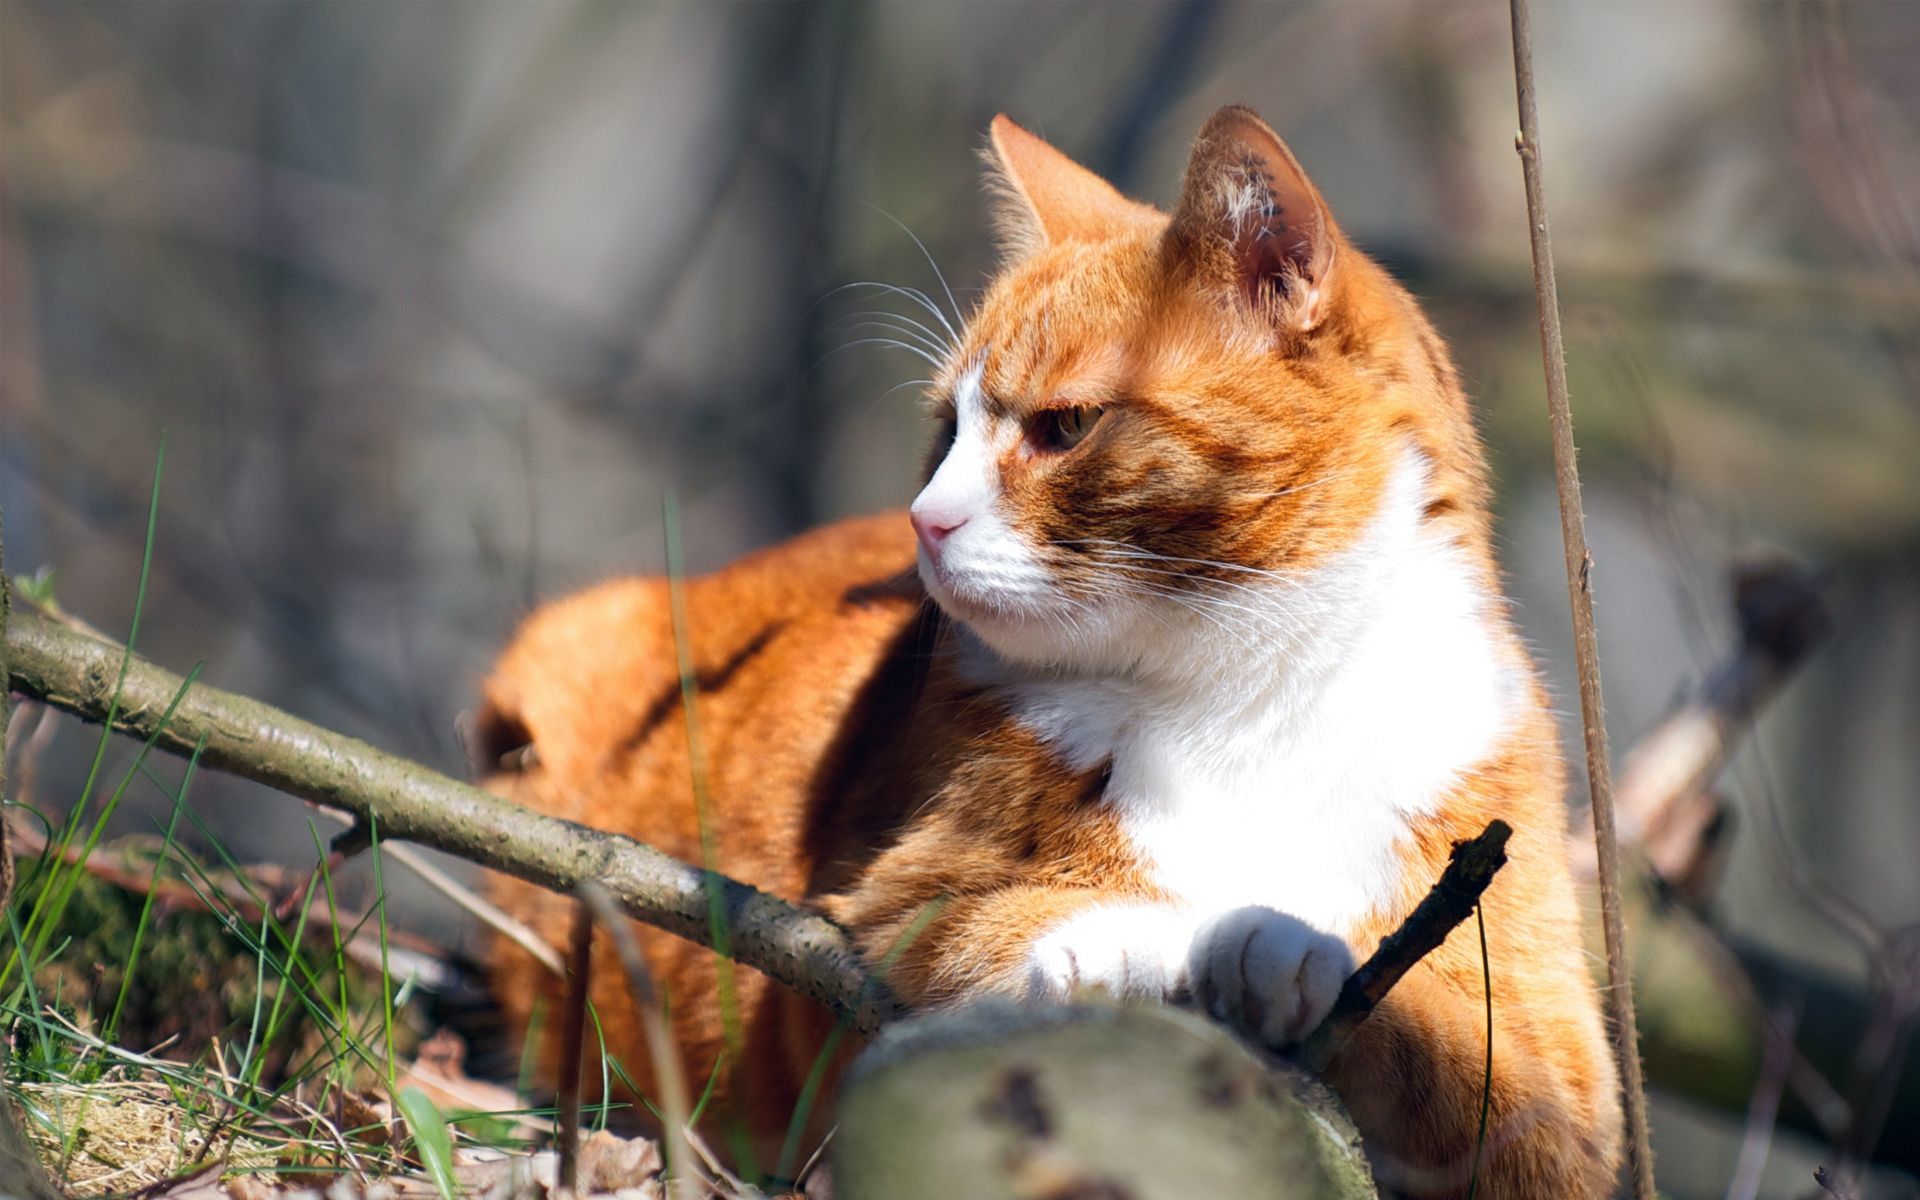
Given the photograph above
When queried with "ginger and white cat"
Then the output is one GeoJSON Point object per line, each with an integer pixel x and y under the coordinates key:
{"type": "Point", "coordinates": [1216, 670]}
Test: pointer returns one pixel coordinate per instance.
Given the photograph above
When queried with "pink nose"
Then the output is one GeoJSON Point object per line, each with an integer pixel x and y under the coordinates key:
{"type": "Point", "coordinates": [932, 530]}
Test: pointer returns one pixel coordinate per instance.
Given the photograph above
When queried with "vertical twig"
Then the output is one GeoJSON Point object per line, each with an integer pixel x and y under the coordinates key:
{"type": "Point", "coordinates": [1832, 1185]}
{"type": "Point", "coordinates": [1763, 1105]}
{"type": "Point", "coordinates": [18, 1158]}
{"type": "Point", "coordinates": [685, 1180]}
{"type": "Point", "coordinates": [573, 1036]}
{"type": "Point", "coordinates": [1586, 647]}
{"type": "Point", "coordinates": [6, 828]}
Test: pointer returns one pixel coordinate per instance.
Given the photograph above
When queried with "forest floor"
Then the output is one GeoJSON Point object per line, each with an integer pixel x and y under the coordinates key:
{"type": "Point", "coordinates": [180, 1027]}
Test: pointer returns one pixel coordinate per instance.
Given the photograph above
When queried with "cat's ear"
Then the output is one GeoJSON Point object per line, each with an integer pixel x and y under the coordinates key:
{"type": "Point", "coordinates": [1250, 217]}
{"type": "Point", "coordinates": [1042, 197]}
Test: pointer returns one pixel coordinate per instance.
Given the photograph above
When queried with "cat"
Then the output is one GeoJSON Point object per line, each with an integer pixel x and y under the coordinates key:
{"type": "Point", "coordinates": [1215, 670]}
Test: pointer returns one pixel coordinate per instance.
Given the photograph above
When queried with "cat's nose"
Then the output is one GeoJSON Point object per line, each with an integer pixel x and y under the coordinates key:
{"type": "Point", "coordinates": [933, 528]}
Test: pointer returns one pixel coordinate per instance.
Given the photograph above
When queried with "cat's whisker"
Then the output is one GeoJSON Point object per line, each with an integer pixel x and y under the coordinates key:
{"type": "Point", "coordinates": [1269, 596]}
{"type": "Point", "coordinates": [932, 336]}
{"type": "Point", "coordinates": [921, 340]}
{"type": "Point", "coordinates": [1282, 622]}
{"type": "Point", "coordinates": [1278, 593]}
{"type": "Point", "coordinates": [914, 294]}
{"type": "Point", "coordinates": [1129, 550]}
{"type": "Point", "coordinates": [905, 383]}
{"type": "Point", "coordinates": [911, 293]}
{"type": "Point", "coordinates": [925, 357]}
{"type": "Point", "coordinates": [938, 275]}
{"type": "Point", "coordinates": [1227, 622]}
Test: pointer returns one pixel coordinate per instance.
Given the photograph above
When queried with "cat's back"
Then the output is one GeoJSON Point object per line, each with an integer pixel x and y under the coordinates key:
{"type": "Point", "coordinates": [586, 713]}
{"type": "Point", "coordinates": [800, 669]}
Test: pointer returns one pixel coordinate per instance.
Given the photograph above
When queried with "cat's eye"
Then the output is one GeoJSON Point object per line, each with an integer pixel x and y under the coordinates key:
{"type": "Point", "coordinates": [1061, 429]}
{"type": "Point", "coordinates": [944, 433]}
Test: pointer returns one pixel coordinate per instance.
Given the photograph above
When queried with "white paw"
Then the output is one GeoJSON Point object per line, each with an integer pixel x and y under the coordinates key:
{"type": "Point", "coordinates": [1134, 951]}
{"type": "Point", "coordinates": [1270, 975]}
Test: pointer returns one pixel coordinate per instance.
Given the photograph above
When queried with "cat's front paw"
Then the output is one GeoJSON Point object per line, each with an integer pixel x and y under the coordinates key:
{"type": "Point", "coordinates": [1132, 951]}
{"type": "Point", "coordinates": [1272, 976]}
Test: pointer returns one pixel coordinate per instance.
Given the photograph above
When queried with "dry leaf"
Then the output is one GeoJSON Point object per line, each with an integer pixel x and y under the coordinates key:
{"type": "Point", "coordinates": [613, 1164]}
{"type": "Point", "coordinates": [366, 1117]}
{"type": "Point", "coordinates": [439, 1070]}
{"type": "Point", "coordinates": [253, 1187]}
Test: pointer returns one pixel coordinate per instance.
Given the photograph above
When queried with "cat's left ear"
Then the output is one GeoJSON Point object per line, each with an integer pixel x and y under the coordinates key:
{"type": "Point", "coordinates": [1251, 218]}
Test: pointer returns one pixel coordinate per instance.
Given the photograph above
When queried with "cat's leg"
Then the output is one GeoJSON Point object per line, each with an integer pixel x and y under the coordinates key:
{"type": "Point", "coordinates": [1414, 1074]}
{"type": "Point", "coordinates": [1032, 942]}
{"type": "Point", "coordinates": [1136, 949]}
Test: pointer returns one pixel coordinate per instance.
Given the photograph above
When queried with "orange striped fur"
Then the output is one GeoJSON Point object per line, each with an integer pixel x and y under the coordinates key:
{"type": "Point", "coordinates": [1215, 671]}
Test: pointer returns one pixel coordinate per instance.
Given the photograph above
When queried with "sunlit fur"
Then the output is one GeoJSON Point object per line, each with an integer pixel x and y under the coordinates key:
{"type": "Point", "coordinates": [1201, 703]}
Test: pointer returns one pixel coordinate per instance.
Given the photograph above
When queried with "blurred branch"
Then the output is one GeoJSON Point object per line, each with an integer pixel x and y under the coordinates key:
{"type": "Point", "coordinates": [1708, 999]}
{"type": "Point", "coordinates": [1166, 74]}
{"type": "Point", "coordinates": [407, 801]}
{"type": "Point", "coordinates": [1830, 1186]}
{"type": "Point", "coordinates": [1662, 797]}
{"type": "Point", "coordinates": [1677, 290]}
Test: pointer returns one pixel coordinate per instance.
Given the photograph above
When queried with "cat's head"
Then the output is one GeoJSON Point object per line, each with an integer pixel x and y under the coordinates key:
{"type": "Point", "coordinates": [1155, 419]}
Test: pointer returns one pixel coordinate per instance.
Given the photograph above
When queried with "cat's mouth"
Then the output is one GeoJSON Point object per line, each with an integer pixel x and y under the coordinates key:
{"type": "Point", "coordinates": [949, 594]}
{"type": "Point", "coordinates": [968, 602]}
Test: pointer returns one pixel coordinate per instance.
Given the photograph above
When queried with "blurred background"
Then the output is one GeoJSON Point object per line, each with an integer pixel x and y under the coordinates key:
{"type": "Point", "coordinates": [433, 304]}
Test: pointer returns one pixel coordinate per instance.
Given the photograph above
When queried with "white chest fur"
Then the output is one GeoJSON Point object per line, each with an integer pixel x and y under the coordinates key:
{"type": "Point", "coordinates": [1281, 759]}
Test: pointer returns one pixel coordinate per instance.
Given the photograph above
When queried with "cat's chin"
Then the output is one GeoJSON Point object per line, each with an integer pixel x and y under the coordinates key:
{"type": "Point", "coordinates": [1028, 636]}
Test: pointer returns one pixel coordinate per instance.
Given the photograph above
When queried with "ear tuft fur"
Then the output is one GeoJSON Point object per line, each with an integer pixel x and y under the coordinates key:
{"type": "Point", "coordinates": [1250, 217]}
{"type": "Point", "coordinates": [1016, 225]}
{"type": "Point", "coordinates": [1041, 197]}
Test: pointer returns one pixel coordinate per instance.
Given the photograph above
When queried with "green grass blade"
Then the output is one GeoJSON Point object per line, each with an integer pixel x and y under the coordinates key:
{"type": "Point", "coordinates": [733, 1029]}
{"type": "Point", "coordinates": [432, 1141]}
{"type": "Point", "coordinates": [112, 1026]}
{"type": "Point", "coordinates": [817, 1073]}
{"type": "Point", "coordinates": [1486, 1085]}
{"type": "Point", "coordinates": [386, 971]}
{"type": "Point", "coordinates": [51, 905]}
{"type": "Point", "coordinates": [77, 816]}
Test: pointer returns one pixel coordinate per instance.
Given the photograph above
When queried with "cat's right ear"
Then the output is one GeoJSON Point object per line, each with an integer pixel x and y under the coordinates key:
{"type": "Point", "coordinates": [1041, 197]}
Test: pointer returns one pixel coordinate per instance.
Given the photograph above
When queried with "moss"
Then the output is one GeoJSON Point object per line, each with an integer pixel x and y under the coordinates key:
{"type": "Point", "coordinates": [195, 981]}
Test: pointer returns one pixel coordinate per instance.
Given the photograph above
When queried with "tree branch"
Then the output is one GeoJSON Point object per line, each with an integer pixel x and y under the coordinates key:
{"type": "Point", "coordinates": [1586, 645]}
{"type": "Point", "coordinates": [1782, 617]}
{"type": "Point", "coordinates": [412, 803]}
{"type": "Point", "coordinates": [1470, 868]}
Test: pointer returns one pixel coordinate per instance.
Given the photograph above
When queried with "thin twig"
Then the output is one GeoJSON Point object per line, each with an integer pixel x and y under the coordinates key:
{"type": "Point", "coordinates": [17, 1155]}
{"type": "Point", "coordinates": [1833, 1186]}
{"type": "Point", "coordinates": [6, 838]}
{"type": "Point", "coordinates": [1470, 869]}
{"type": "Point", "coordinates": [573, 1037]}
{"type": "Point", "coordinates": [475, 905]}
{"type": "Point", "coordinates": [684, 1176]}
{"type": "Point", "coordinates": [32, 738]}
{"type": "Point", "coordinates": [805, 951]}
{"type": "Point", "coordinates": [1763, 1106]}
{"type": "Point", "coordinates": [1585, 642]}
